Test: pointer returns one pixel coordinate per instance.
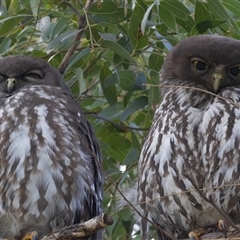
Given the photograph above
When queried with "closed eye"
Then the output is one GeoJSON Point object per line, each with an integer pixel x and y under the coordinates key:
{"type": "Point", "coordinates": [32, 75]}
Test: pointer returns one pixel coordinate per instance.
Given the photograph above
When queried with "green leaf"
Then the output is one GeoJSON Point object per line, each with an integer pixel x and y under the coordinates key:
{"type": "Point", "coordinates": [235, 27]}
{"type": "Point", "coordinates": [218, 11]}
{"type": "Point", "coordinates": [155, 60]}
{"type": "Point", "coordinates": [59, 27]}
{"type": "Point", "coordinates": [8, 2]}
{"type": "Point", "coordinates": [134, 26]}
{"type": "Point", "coordinates": [5, 43]}
{"type": "Point", "coordinates": [131, 157]}
{"type": "Point", "coordinates": [154, 92]}
{"type": "Point", "coordinates": [9, 23]}
{"type": "Point", "coordinates": [109, 92]}
{"type": "Point", "coordinates": [176, 8]}
{"type": "Point", "coordinates": [135, 141]}
{"type": "Point", "coordinates": [137, 103]}
{"type": "Point", "coordinates": [108, 36]}
{"type": "Point", "coordinates": [142, 42]}
{"type": "Point", "coordinates": [111, 112]}
{"type": "Point", "coordinates": [118, 49]}
{"type": "Point", "coordinates": [34, 4]}
{"type": "Point", "coordinates": [167, 17]}
{"type": "Point", "coordinates": [233, 6]}
{"type": "Point", "coordinates": [201, 13]}
{"type": "Point", "coordinates": [216, 8]}
{"type": "Point", "coordinates": [62, 39]}
{"type": "Point", "coordinates": [127, 81]}
{"type": "Point", "coordinates": [81, 81]}
{"type": "Point", "coordinates": [79, 56]}
{"type": "Point", "coordinates": [116, 17]}
{"type": "Point", "coordinates": [126, 43]}
{"type": "Point", "coordinates": [203, 26]}
{"type": "Point", "coordinates": [141, 80]}
{"type": "Point", "coordinates": [112, 79]}
{"type": "Point", "coordinates": [187, 24]}
{"type": "Point", "coordinates": [103, 7]}
{"type": "Point", "coordinates": [126, 98]}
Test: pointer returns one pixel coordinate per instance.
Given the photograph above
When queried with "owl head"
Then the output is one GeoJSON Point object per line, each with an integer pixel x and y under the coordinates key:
{"type": "Point", "coordinates": [17, 72]}
{"type": "Point", "coordinates": [206, 60]}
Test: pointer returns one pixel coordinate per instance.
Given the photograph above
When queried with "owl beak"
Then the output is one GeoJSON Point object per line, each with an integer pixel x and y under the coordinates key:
{"type": "Point", "coordinates": [11, 84]}
{"type": "Point", "coordinates": [217, 79]}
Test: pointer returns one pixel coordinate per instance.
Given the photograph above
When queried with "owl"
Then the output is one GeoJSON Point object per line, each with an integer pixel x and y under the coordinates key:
{"type": "Point", "coordinates": [50, 174]}
{"type": "Point", "coordinates": [189, 166]}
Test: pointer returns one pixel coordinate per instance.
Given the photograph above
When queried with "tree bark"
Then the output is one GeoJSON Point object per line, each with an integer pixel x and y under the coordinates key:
{"type": "Point", "coordinates": [81, 230]}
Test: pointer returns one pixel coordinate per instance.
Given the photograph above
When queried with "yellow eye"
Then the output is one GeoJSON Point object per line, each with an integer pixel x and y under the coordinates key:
{"type": "Point", "coordinates": [235, 71]}
{"type": "Point", "coordinates": [199, 65]}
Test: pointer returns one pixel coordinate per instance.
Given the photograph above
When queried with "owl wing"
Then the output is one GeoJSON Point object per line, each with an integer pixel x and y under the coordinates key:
{"type": "Point", "coordinates": [93, 199]}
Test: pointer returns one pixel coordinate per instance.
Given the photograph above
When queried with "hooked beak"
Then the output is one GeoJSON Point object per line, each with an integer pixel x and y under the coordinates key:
{"type": "Point", "coordinates": [11, 84]}
{"type": "Point", "coordinates": [217, 79]}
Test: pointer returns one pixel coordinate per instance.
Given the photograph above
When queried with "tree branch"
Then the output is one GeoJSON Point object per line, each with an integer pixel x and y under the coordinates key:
{"type": "Point", "coordinates": [81, 26]}
{"type": "Point", "coordinates": [81, 230]}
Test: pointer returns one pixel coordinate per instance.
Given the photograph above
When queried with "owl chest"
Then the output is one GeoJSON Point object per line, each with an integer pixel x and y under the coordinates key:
{"type": "Point", "coordinates": [205, 145]}
{"type": "Point", "coordinates": [32, 142]}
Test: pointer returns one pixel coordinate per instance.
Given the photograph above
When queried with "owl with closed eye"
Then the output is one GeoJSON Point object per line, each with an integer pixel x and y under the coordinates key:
{"type": "Point", "coordinates": [50, 161]}
{"type": "Point", "coordinates": [189, 166]}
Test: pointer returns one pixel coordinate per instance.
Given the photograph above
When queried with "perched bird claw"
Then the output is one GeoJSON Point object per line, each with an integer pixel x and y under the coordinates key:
{"type": "Point", "coordinates": [195, 234]}
{"type": "Point", "coordinates": [222, 226]}
{"type": "Point", "coordinates": [31, 236]}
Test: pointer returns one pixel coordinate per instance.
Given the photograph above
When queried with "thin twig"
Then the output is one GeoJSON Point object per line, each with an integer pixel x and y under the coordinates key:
{"type": "Point", "coordinates": [135, 209]}
{"type": "Point", "coordinates": [211, 202]}
{"type": "Point", "coordinates": [81, 26]}
{"type": "Point", "coordinates": [184, 192]}
{"type": "Point", "coordinates": [116, 124]}
{"type": "Point", "coordinates": [194, 88]}
{"type": "Point", "coordinates": [72, 8]}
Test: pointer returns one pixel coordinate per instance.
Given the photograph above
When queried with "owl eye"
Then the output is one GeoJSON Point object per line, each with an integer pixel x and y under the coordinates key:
{"type": "Point", "coordinates": [32, 76]}
{"type": "Point", "coordinates": [235, 71]}
{"type": "Point", "coordinates": [199, 65]}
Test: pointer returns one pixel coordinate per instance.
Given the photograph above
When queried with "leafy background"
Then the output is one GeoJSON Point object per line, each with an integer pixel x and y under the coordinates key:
{"type": "Point", "coordinates": [114, 69]}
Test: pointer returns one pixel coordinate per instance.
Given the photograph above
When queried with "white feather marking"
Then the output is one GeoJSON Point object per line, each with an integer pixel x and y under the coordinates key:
{"type": "Point", "coordinates": [41, 93]}
{"type": "Point", "coordinates": [48, 134]}
{"type": "Point", "coordinates": [3, 126]}
{"type": "Point", "coordinates": [19, 147]}
{"type": "Point", "coordinates": [24, 111]}
{"type": "Point", "coordinates": [1, 113]}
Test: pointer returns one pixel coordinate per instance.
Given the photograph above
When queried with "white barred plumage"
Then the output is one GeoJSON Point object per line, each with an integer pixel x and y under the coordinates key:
{"type": "Point", "coordinates": [50, 174]}
{"type": "Point", "coordinates": [194, 139]}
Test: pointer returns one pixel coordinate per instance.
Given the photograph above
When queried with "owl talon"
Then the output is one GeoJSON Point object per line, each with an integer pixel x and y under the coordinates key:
{"type": "Point", "coordinates": [195, 234]}
{"type": "Point", "coordinates": [222, 226]}
{"type": "Point", "coordinates": [31, 236]}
